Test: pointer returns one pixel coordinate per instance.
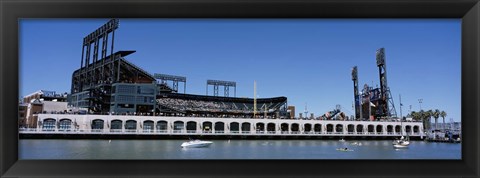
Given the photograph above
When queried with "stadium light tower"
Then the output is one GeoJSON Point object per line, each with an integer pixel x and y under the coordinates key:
{"type": "Point", "coordinates": [387, 107]}
{"type": "Point", "coordinates": [356, 95]}
{"type": "Point", "coordinates": [225, 84]}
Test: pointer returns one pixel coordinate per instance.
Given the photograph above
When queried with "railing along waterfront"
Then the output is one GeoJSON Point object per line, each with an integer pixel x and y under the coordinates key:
{"type": "Point", "coordinates": [200, 132]}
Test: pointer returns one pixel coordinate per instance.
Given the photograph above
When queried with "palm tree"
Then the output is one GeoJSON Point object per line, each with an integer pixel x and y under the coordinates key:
{"type": "Point", "coordinates": [421, 116]}
{"type": "Point", "coordinates": [425, 116]}
{"type": "Point", "coordinates": [436, 115]}
{"type": "Point", "coordinates": [443, 114]}
{"type": "Point", "coordinates": [415, 116]}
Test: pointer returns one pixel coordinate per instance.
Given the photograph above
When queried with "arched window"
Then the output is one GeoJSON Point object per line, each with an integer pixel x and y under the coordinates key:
{"type": "Point", "coordinates": [389, 129]}
{"type": "Point", "coordinates": [271, 128]}
{"type": "Point", "coordinates": [339, 128]}
{"type": "Point", "coordinates": [191, 127]}
{"type": "Point", "coordinates": [162, 126]}
{"type": "Point", "coordinates": [308, 128]}
{"type": "Point", "coordinates": [260, 127]}
{"type": "Point", "coordinates": [295, 128]}
{"type": "Point", "coordinates": [359, 128]}
{"type": "Point", "coordinates": [350, 128]}
{"type": "Point", "coordinates": [207, 127]}
{"type": "Point", "coordinates": [178, 127]}
{"type": "Point", "coordinates": [97, 125]}
{"type": "Point", "coordinates": [408, 129]}
{"type": "Point", "coordinates": [379, 129]}
{"type": "Point", "coordinates": [329, 128]}
{"type": "Point", "coordinates": [398, 129]}
{"type": "Point", "coordinates": [317, 128]}
{"type": "Point", "coordinates": [416, 129]}
{"type": "Point", "coordinates": [219, 127]}
{"type": "Point", "coordinates": [65, 125]}
{"type": "Point", "coordinates": [284, 128]}
{"type": "Point", "coordinates": [246, 127]}
{"type": "Point", "coordinates": [371, 129]}
{"type": "Point", "coordinates": [148, 126]}
{"type": "Point", "coordinates": [234, 127]}
{"type": "Point", "coordinates": [116, 126]}
{"type": "Point", "coordinates": [131, 126]}
{"type": "Point", "coordinates": [48, 125]}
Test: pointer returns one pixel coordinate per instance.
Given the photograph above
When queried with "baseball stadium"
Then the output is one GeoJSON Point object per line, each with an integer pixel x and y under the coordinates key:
{"type": "Point", "coordinates": [112, 97]}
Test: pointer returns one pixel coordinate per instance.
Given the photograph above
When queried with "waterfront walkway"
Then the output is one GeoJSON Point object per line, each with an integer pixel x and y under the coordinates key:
{"type": "Point", "coordinates": [54, 124]}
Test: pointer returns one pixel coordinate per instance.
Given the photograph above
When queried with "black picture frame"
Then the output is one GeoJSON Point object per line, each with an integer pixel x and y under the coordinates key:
{"type": "Point", "coordinates": [11, 11]}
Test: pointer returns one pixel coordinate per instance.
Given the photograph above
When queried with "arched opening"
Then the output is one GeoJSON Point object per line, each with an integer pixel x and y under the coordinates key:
{"type": "Point", "coordinates": [390, 129]}
{"type": "Point", "coordinates": [246, 127]}
{"type": "Point", "coordinates": [317, 128]}
{"type": "Point", "coordinates": [271, 128]}
{"type": "Point", "coordinates": [350, 128]}
{"type": "Point", "coordinates": [308, 128]}
{"type": "Point", "coordinates": [398, 129]}
{"type": "Point", "coordinates": [48, 125]}
{"type": "Point", "coordinates": [359, 129]}
{"type": "Point", "coordinates": [148, 126]}
{"type": "Point", "coordinates": [295, 128]}
{"type": "Point", "coordinates": [260, 127]}
{"type": "Point", "coordinates": [408, 129]}
{"type": "Point", "coordinates": [339, 128]}
{"type": "Point", "coordinates": [329, 128]}
{"type": "Point", "coordinates": [178, 126]}
{"type": "Point", "coordinates": [284, 128]}
{"type": "Point", "coordinates": [416, 129]}
{"type": "Point", "coordinates": [379, 129]}
{"type": "Point", "coordinates": [116, 126]}
{"type": "Point", "coordinates": [97, 125]}
{"type": "Point", "coordinates": [371, 129]}
{"type": "Point", "coordinates": [219, 127]}
{"type": "Point", "coordinates": [191, 127]}
{"type": "Point", "coordinates": [234, 127]}
{"type": "Point", "coordinates": [162, 126]}
{"type": "Point", "coordinates": [65, 125]}
{"type": "Point", "coordinates": [131, 126]}
{"type": "Point", "coordinates": [207, 127]}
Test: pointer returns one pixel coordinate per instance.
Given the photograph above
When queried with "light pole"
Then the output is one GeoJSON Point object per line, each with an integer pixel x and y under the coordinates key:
{"type": "Point", "coordinates": [420, 101]}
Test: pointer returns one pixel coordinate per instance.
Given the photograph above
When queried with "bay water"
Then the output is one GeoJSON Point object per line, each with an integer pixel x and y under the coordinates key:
{"type": "Point", "coordinates": [232, 149]}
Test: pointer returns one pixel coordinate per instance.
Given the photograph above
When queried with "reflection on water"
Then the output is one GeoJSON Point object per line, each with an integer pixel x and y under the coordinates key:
{"type": "Point", "coordinates": [233, 149]}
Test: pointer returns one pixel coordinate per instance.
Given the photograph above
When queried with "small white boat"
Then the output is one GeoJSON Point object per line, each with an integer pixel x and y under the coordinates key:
{"type": "Point", "coordinates": [344, 149]}
{"type": "Point", "coordinates": [400, 146]}
{"type": "Point", "coordinates": [356, 143]}
{"type": "Point", "coordinates": [403, 141]}
{"type": "Point", "coordinates": [196, 144]}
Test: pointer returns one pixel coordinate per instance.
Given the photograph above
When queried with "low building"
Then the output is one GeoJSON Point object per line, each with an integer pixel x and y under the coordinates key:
{"type": "Point", "coordinates": [41, 101]}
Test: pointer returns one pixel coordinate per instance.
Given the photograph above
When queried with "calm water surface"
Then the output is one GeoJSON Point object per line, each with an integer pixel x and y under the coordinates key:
{"type": "Point", "coordinates": [233, 149]}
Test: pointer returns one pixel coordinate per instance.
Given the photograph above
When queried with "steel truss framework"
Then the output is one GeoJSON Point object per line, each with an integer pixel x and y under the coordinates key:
{"type": "Point", "coordinates": [387, 107]}
{"type": "Point", "coordinates": [175, 79]}
{"type": "Point", "coordinates": [357, 99]}
{"type": "Point", "coordinates": [226, 85]}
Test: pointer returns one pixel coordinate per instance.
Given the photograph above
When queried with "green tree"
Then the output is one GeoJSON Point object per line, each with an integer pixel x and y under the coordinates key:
{"type": "Point", "coordinates": [436, 115]}
{"type": "Point", "coordinates": [415, 116]}
{"type": "Point", "coordinates": [426, 116]}
{"type": "Point", "coordinates": [443, 114]}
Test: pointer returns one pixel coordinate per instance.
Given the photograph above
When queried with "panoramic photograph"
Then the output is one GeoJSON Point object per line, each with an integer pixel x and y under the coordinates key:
{"type": "Point", "coordinates": [376, 89]}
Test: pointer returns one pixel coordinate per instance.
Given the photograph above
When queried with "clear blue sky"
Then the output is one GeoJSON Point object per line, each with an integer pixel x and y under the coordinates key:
{"type": "Point", "coordinates": [308, 61]}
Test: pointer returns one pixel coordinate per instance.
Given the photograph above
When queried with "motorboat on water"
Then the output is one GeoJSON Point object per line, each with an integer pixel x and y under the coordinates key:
{"type": "Point", "coordinates": [344, 149]}
{"type": "Point", "coordinates": [402, 141]}
{"type": "Point", "coordinates": [400, 145]}
{"type": "Point", "coordinates": [196, 144]}
{"type": "Point", "coordinates": [356, 143]}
